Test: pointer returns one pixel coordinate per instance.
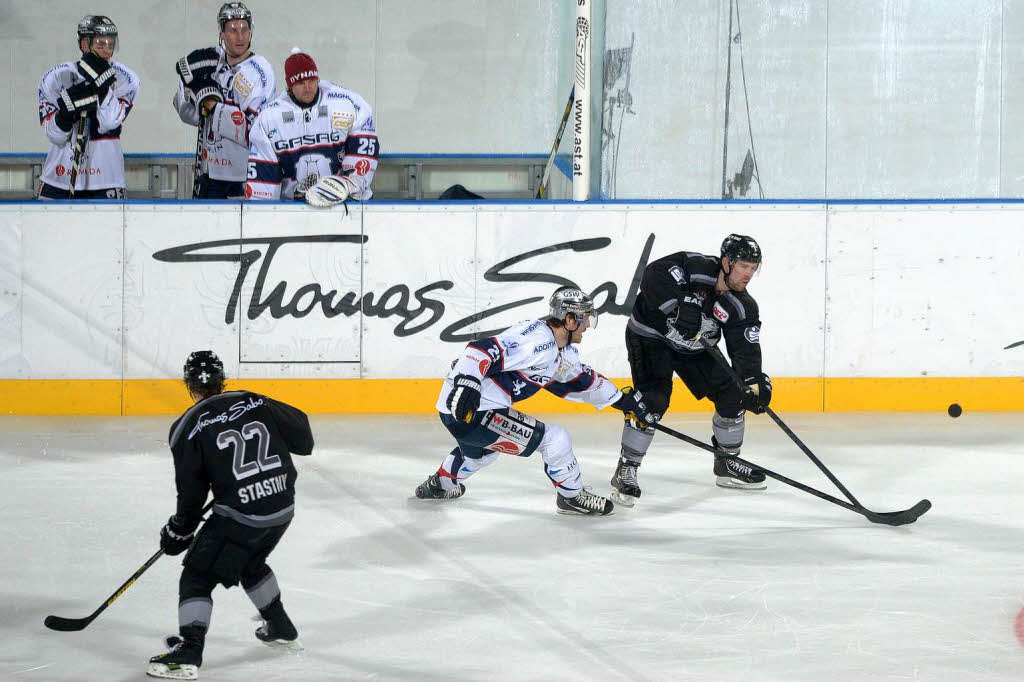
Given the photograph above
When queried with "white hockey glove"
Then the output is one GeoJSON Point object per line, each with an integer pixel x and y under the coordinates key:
{"type": "Point", "coordinates": [330, 190]}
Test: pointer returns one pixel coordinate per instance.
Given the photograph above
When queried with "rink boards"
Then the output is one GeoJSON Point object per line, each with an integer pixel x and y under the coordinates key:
{"type": "Point", "coordinates": [864, 306]}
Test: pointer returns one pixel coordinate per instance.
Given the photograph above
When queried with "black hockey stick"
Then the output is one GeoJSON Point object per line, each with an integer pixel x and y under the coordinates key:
{"type": "Point", "coordinates": [724, 364]}
{"type": "Point", "coordinates": [76, 161]}
{"type": "Point", "coordinates": [558, 140]}
{"type": "Point", "coordinates": [898, 518]}
{"type": "Point", "coordinates": [62, 624]}
{"type": "Point", "coordinates": [199, 154]}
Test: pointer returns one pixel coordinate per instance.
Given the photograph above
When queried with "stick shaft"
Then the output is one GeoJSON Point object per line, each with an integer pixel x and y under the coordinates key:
{"type": "Point", "coordinates": [554, 147]}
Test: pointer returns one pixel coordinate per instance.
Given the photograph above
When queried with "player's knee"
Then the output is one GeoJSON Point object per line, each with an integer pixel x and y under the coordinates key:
{"type": "Point", "coordinates": [556, 446]}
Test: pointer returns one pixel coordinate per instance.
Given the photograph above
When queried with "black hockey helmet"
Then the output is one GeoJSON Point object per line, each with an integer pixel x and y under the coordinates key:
{"type": "Point", "coordinates": [230, 11]}
{"type": "Point", "coordinates": [92, 25]}
{"type": "Point", "coordinates": [570, 299]}
{"type": "Point", "coordinates": [204, 372]}
{"type": "Point", "coordinates": [741, 247]}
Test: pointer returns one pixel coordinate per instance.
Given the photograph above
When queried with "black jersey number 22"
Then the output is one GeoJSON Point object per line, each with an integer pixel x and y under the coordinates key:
{"type": "Point", "coordinates": [243, 467]}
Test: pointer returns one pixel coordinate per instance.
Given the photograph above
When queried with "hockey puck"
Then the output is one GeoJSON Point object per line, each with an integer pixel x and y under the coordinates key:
{"type": "Point", "coordinates": [955, 410]}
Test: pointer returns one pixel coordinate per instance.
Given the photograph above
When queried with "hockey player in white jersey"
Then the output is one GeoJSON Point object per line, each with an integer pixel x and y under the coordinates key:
{"type": "Point", "coordinates": [476, 402]}
{"type": "Point", "coordinates": [83, 104]}
{"type": "Point", "coordinates": [222, 90]}
{"type": "Point", "coordinates": [316, 142]}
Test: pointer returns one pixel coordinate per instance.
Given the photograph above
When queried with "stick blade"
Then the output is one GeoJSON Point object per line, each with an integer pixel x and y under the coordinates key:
{"type": "Point", "coordinates": [66, 624]}
{"type": "Point", "coordinates": [900, 518]}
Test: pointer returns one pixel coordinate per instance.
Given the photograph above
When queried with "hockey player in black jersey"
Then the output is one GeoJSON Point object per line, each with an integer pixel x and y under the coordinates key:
{"type": "Point", "coordinates": [683, 296]}
{"type": "Point", "coordinates": [235, 444]}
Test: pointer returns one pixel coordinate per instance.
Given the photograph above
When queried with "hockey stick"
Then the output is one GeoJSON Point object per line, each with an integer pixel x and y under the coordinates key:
{"type": "Point", "coordinates": [62, 624]}
{"type": "Point", "coordinates": [558, 141]}
{"type": "Point", "coordinates": [199, 154]}
{"type": "Point", "coordinates": [897, 518]}
{"type": "Point", "coordinates": [724, 364]}
{"type": "Point", "coordinates": [76, 161]}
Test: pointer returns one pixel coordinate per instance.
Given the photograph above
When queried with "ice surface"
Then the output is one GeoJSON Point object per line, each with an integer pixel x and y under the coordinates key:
{"type": "Point", "coordinates": [694, 583]}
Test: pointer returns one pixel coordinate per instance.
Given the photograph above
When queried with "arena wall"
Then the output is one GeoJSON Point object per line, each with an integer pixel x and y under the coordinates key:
{"type": "Point", "coordinates": [864, 306]}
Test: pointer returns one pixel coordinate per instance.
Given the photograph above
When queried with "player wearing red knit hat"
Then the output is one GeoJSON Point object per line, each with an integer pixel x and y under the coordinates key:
{"type": "Point", "coordinates": [316, 142]}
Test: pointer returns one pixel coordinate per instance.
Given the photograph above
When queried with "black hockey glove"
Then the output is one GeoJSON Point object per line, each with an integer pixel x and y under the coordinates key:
{"type": "Point", "coordinates": [204, 88]}
{"type": "Point", "coordinates": [758, 394]}
{"type": "Point", "coordinates": [197, 64]}
{"type": "Point", "coordinates": [73, 102]}
{"type": "Point", "coordinates": [98, 72]}
{"type": "Point", "coordinates": [632, 403]}
{"type": "Point", "coordinates": [175, 537]}
{"type": "Point", "coordinates": [464, 401]}
{"type": "Point", "coordinates": [689, 316]}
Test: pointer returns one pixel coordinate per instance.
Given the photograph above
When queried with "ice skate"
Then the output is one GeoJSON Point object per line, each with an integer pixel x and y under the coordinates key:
{"type": "Point", "coordinates": [731, 474]}
{"type": "Point", "coordinates": [624, 481]}
{"type": "Point", "coordinates": [585, 503]}
{"type": "Point", "coordinates": [431, 489]}
{"type": "Point", "coordinates": [279, 633]}
{"type": "Point", "coordinates": [180, 663]}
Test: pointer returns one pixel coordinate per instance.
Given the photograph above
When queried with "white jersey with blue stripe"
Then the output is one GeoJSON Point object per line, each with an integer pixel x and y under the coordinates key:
{"type": "Point", "coordinates": [521, 361]}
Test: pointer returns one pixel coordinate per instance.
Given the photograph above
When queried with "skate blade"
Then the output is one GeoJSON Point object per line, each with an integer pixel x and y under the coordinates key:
{"type": "Point", "coordinates": [293, 646]}
{"type": "Point", "coordinates": [623, 499]}
{"type": "Point", "coordinates": [166, 672]}
{"type": "Point", "coordinates": [733, 484]}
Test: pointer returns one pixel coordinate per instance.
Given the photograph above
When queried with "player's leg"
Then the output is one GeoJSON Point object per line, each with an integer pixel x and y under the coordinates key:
{"type": "Point", "coordinates": [195, 607]}
{"type": "Point", "coordinates": [728, 424]}
{"type": "Point", "coordinates": [562, 467]}
{"type": "Point", "coordinates": [468, 457]}
{"type": "Point", "coordinates": [261, 587]}
{"type": "Point", "coordinates": [650, 364]}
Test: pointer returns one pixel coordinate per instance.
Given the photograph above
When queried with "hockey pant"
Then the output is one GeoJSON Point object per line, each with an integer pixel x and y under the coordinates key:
{"type": "Point", "coordinates": [652, 365]}
{"type": "Point", "coordinates": [226, 552]}
{"type": "Point", "coordinates": [508, 431]}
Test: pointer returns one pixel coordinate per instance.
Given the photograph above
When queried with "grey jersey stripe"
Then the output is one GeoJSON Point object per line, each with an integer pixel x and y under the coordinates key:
{"type": "Point", "coordinates": [254, 521]}
{"type": "Point", "coordinates": [704, 279]}
{"type": "Point", "coordinates": [185, 417]}
{"type": "Point", "coordinates": [668, 306]}
{"type": "Point", "coordinates": [734, 299]}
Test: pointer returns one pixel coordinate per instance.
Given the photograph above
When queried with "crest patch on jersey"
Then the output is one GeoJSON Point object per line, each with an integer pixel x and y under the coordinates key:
{"type": "Point", "coordinates": [242, 85]}
{"type": "Point", "coordinates": [753, 334]}
{"type": "Point", "coordinates": [342, 120]}
{"type": "Point", "coordinates": [720, 313]}
{"type": "Point", "coordinates": [677, 274]}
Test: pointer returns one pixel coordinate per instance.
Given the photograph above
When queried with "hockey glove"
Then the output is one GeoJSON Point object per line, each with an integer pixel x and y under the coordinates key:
{"type": "Point", "coordinates": [197, 64]}
{"type": "Point", "coordinates": [77, 100]}
{"type": "Point", "coordinates": [689, 316]}
{"type": "Point", "coordinates": [632, 404]}
{"type": "Point", "coordinates": [205, 88]}
{"type": "Point", "coordinates": [758, 394]}
{"type": "Point", "coordinates": [98, 72]}
{"type": "Point", "coordinates": [329, 191]}
{"type": "Point", "coordinates": [175, 537]}
{"type": "Point", "coordinates": [464, 401]}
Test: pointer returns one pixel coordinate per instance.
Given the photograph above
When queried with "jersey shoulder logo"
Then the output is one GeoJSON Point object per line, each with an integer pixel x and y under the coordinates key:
{"type": "Point", "coordinates": [753, 334]}
{"type": "Point", "coordinates": [677, 274]}
{"type": "Point", "coordinates": [720, 313]}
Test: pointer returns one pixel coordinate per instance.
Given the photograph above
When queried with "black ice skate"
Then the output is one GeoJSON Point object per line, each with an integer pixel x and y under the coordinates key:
{"type": "Point", "coordinates": [624, 481]}
{"type": "Point", "coordinates": [182, 662]}
{"type": "Point", "coordinates": [431, 489]}
{"type": "Point", "coordinates": [732, 474]}
{"type": "Point", "coordinates": [278, 630]}
{"type": "Point", "coordinates": [585, 503]}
